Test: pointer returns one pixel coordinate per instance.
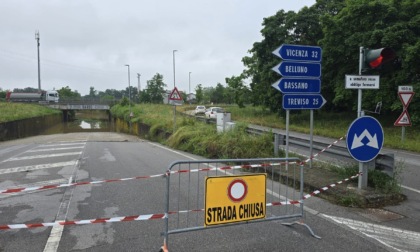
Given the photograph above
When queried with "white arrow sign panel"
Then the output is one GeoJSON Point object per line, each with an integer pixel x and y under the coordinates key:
{"type": "Point", "coordinates": [357, 140]}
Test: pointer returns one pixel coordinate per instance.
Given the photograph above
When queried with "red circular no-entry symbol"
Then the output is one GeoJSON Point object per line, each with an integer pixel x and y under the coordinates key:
{"type": "Point", "coordinates": [237, 190]}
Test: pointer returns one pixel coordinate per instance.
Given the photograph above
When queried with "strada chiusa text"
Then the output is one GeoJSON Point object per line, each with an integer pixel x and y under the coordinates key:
{"type": "Point", "coordinates": [235, 213]}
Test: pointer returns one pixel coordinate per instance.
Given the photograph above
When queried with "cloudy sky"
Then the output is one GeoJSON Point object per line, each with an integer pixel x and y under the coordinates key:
{"type": "Point", "coordinates": [86, 43]}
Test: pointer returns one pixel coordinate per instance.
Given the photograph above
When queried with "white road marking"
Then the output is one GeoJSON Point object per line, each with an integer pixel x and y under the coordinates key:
{"type": "Point", "coordinates": [398, 239]}
{"type": "Point", "coordinates": [54, 238]}
{"type": "Point", "coordinates": [42, 156]}
{"type": "Point", "coordinates": [37, 167]}
{"type": "Point", "coordinates": [411, 189]}
{"type": "Point", "coordinates": [177, 152]}
{"type": "Point", "coordinates": [55, 149]}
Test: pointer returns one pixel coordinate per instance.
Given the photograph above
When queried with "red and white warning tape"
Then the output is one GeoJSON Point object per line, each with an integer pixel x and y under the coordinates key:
{"type": "Point", "coordinates": [27, 189]}
{"type": "Point", "coordinates": [326, 148]}
{"type": "Point", "coordinates": [323, 189]}
{"type": "Point", "coordinates": [82, 222]}
{"type": "Point", "coordinates": [157, 216]}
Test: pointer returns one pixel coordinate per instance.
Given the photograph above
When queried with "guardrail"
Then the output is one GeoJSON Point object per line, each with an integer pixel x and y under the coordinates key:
{"type": "Point", "coordinates": [384, 162]}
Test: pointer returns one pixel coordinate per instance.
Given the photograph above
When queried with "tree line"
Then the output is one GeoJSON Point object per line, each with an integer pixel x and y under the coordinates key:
{"type": "Point", "coordinates": [340, 28]}
{"type": "Point", "coordinates": [154, 92]}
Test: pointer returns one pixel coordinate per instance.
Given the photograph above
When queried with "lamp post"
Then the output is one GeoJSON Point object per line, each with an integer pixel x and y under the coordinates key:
{"type": "Point", "coordinates": [189, 82]}
{"type": "Point", "coordinates": [189, 87]}
{"type": "Point", "coordinates": [138, 77]}
{"type": "Point", "coordinates": [39, 65]}
{"type": "Point", "coordinates": [129, 88]}
{"type": "Point", "coordinates": [173, 57]}
{"type": "Point", "coordinates": [129, 95]}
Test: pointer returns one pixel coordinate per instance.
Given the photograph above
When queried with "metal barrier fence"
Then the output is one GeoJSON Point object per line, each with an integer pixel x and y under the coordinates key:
{"type": "Point", "coordinates": [215, 193]}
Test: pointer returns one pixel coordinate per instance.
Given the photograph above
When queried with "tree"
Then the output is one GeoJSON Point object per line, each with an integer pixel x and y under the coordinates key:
{"type": "Point", "coordinates": [92, 93]}
{"type": "Point", "coordinates": [2, 93]}
{"type": "Point", "coordinates": [239, 90]}
{"type": "Point", "coordinates": [156, 89]}
{"type": "Point", "coordinates": [67, 93]}
{"type": "Point", "coordinates": [199, 94]}
{"type": "Point", "coordinates": [372, 24]}
{"type": "Point", "coordinates": [217, 95]}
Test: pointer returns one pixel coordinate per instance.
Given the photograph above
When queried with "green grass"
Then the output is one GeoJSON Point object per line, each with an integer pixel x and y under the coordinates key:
{"type": "Point", "coordinates": [334, 125]}
{"type": "Point", "coordinates": [17, 111]}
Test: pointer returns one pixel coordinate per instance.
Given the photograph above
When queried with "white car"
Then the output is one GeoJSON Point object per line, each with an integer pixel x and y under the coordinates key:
{"type": "Point", "coordinates": [212, 112]}
{"type": "Point", "coordinates": [200, 110]}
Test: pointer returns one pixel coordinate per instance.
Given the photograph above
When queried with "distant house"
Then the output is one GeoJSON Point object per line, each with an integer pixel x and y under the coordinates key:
{"type": "Point", "coordinates": [191, 98]}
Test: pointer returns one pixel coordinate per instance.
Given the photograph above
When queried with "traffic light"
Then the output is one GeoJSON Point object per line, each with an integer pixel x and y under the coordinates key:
{"type": "Point", "coordinates": [375, 58]}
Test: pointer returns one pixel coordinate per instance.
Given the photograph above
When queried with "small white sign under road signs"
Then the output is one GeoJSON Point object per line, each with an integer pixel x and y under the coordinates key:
{"type": "Point", "coordinates": [362, 81]}
{"type": "Point", "coordinates": [405, 88]}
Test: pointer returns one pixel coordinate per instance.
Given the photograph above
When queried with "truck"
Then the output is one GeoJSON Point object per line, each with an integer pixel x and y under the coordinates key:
{"type": "Point", "coordinates": [40, 97]}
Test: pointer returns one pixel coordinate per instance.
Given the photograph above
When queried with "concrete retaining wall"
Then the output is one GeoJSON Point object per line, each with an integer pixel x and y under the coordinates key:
{"type": "Point", "coordinates": [27, 127]}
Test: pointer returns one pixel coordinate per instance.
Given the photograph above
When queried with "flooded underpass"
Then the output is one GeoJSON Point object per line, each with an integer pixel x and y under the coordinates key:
{"type": "Point", "coordinates": [84, 121]}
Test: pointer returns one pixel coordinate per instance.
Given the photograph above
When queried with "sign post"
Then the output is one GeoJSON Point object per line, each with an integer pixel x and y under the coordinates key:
{"type": "Point", "coordinates": [301, 84]}
{"type": "Point", "coordinates": [361, 82]}
{"type": "Point", "coordinates": [173, 97]}
{"type": "Point", "coordinates": [364, 141]}
{"type": "Point", "coordinates": [405, 93]}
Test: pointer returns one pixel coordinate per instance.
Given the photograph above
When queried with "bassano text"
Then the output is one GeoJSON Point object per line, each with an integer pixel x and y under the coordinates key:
{"type": "Point", "coordinates": [295, 85]}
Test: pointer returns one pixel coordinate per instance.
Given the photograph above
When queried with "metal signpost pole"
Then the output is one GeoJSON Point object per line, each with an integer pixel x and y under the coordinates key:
{"type": "Point", "coordinates": [173, 57]}
{"type": "Point", "coordinates": [362, 181]}
{"type": "Point", "coordinates": [311, 136]}
{"type": "Point", "coordinates": [287, 136]}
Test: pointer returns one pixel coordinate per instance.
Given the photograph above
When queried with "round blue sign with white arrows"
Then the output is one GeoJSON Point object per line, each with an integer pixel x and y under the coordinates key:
{"type": "Point", "coordinates": [365, 138]}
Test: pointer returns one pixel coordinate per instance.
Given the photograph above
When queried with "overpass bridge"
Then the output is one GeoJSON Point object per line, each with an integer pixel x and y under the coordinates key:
{"type": "Point", "coordinates": [72, 105]}
{"type": "Point", "coordinates": [69, 106]}
{"type": "Point", "coordinates": [83, 104]}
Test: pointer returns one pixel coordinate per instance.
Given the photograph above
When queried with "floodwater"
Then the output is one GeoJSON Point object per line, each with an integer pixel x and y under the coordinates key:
{"type": "Point", "coordinates": [89, 121]}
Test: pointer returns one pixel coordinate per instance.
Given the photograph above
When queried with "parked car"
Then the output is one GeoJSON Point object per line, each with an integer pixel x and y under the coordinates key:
{"type": "Point", "coordinates": [212, 112]}
{"type": "Point", "coordinates": [200, 110]}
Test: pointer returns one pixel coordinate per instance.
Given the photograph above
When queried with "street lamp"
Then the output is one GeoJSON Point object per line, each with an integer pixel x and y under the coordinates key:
{"type": "Point", "coordinates": [39, 64]}
{"type": "Point", "coordinates": [189, 83]}
{"type": "Point", "coordinates": [129, 89]}
{"type": "Point", "coordinates": [138, 77]}
{"type": "Point", "coordinates": [173, 57]}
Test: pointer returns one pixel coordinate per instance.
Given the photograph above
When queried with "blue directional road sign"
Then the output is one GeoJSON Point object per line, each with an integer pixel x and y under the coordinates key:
{"type": "Point", "coordinates": [365, 138]}
{"type": "Point", "coordinates": [290, 86]}
{"type": "Point", "coordinates": [303, 101]}
{"type": "Point", "coordinates": [299, 53]}
{"type": "Point", "coordinates": [298, 69]}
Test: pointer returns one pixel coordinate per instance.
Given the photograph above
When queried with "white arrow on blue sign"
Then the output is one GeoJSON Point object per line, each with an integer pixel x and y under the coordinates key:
{"type": "Point", "coordinates": [291, 85]}
{"type": "Point", "coordinates": [298, 69]}
{"type": "Point", "coordinates": [365, 138]}
{"type": "Point", "coordinates": [299, 53]}
{"type": "Point", "coordinates": [303, 101]}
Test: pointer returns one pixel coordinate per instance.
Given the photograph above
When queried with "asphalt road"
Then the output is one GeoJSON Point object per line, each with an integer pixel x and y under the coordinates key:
{"type": "Point", "coordinates": [86, 157]}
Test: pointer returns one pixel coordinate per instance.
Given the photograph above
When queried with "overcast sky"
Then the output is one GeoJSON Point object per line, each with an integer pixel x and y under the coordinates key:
{"type": "Point", "coordinates": [86, 43]}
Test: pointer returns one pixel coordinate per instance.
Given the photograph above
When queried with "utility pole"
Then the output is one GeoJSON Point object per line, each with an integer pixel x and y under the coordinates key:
{"type": "Point", "coordinates": [39, 65]}
{"type": "Point", "coordinates": [138, 77]}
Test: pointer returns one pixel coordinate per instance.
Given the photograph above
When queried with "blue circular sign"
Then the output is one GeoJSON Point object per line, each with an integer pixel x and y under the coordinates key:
{"type": "Point", "coordinates": [365, 138]}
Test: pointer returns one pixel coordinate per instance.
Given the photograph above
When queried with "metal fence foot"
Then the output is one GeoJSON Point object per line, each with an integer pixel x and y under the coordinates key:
{"type": "Point", "coordinates": [303, 224]}
{"type": "Point", "coordinates": [164, 248]}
